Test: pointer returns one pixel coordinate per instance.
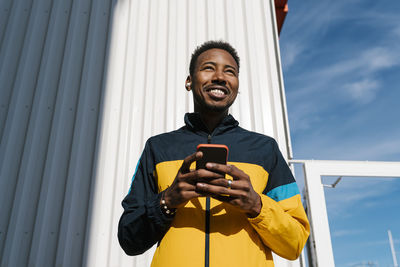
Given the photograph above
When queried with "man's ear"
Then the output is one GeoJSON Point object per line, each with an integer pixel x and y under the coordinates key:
{"type": "Point", "coordinates": [188, 83]}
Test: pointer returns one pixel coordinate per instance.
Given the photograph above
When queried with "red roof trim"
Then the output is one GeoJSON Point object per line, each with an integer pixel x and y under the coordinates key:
{"type": "Point", "coordinates": [281, 9]}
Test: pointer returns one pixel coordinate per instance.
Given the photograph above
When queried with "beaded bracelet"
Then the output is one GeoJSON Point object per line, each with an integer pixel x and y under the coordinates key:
{"type": "Point", "coordinates": [164, 207]}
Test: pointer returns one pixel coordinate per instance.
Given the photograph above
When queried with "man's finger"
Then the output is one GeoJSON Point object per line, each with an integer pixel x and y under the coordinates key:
{"type": "Point", "coordinates": [212, 189]}
{"type": "Point", "coordinates": [187, 187]}
{"type": "Point", "coordinates": [185, 168]}
{"type": "Point", "coordinates": [219, 190]}
{"type": "Point", "coordinates": [226, 183]}
{"type": "Point", "coordinates": [227, 169]}
{"type": "Point", "coordinates": [202, 175]}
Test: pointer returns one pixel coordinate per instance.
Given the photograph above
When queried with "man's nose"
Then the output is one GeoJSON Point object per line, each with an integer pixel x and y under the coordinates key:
{"type": "Point", "coordinates": [219, 77]}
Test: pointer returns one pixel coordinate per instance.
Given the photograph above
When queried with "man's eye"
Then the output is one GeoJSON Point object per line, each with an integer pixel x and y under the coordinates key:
{"type": "Point", "coordinates": [231, 72]}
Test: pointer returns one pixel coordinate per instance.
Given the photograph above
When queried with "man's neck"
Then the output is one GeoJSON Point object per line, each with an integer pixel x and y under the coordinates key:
{"type": "Point", "coordinates": [212, 119]}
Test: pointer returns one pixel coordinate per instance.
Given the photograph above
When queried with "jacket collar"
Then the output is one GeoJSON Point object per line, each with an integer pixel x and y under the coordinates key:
{"type": "Point", "coordinates": [194, 123]}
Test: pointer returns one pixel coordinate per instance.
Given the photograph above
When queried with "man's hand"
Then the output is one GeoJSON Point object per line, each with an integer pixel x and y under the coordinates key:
{"type": "Point", "coordinates": [239, 192]}
{"type": "Point", "coordinates": [183, 188]}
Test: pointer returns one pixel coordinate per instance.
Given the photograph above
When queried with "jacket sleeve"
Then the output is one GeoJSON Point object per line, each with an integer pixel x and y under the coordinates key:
{"type": "Point", "coordinates": [142, 223]}
{"type": "Point", "coordinates": [282, 223]}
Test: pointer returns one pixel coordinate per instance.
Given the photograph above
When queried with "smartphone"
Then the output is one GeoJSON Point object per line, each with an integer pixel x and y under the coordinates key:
{"type": "Point", "coordinates": [214, 153]}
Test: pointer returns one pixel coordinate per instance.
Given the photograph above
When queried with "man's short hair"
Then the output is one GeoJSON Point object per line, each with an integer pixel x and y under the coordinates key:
{"type": "Point", "coordinates": [210, 45]}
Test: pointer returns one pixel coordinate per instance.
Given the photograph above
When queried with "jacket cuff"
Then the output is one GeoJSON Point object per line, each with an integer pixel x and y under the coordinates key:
{"type": "Point", "coordinates": [156, 215]}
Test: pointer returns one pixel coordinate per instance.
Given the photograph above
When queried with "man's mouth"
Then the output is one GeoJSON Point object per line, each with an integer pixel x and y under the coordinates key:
{"type": "Point", "coordinates": [217, 91]}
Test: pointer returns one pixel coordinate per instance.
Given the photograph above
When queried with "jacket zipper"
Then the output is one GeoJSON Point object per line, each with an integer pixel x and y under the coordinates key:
{"type": "Point", "coordinates": [207, 240]}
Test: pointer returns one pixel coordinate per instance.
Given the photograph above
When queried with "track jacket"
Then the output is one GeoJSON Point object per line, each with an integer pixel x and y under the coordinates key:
{"type": "Point", "coordinates": [207, 232]}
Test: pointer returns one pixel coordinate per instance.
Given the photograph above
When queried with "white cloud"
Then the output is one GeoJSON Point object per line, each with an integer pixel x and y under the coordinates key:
{"type": "Point", "coordinates": [347, 232]}
{"type": "Point", "coordinates": [357, 191]}
{"type": "Point", "coordinates": [396, 31]}
{"type": "Point", "coordinates": [363, 91]}
{"type": "Point", "coordinates": [315, 23]}
{"type": "Point", "coordinates": [361, 263]}
{"type": "Point", "coordinates": [379, 58]}
{"type": "Point", "coordinates": [354, 79]}
{"type": "Point", "coordinates": [292, 50]}
{"type": "Point", "coordinates": [377, 150]}
{"type": "Point", "coordinates": [351, 65]}
{"type": "Point", "coordinates": [359, 64]}
{"type": "Point", "coordinates": [356, 74]}
{"type": "Point", "coordinates": [304, 116]}
{"type": "Point", "coordinates": [322, 148]}
{"type": "Point", "coordinates": [383, 242]}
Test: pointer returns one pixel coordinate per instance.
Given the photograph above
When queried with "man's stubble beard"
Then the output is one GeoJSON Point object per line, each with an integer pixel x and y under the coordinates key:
{"type": "Point", "coordinates": [204, 106]}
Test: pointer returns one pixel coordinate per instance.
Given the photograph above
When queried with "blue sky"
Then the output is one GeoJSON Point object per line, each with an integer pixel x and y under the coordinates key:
{"type": "Point", "coordinates": [341, 65]}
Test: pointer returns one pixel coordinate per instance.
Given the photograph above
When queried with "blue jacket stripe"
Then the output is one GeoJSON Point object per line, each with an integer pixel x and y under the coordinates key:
{"type": "Point", "coordinates": [284, 192]}
{"type": "Point", "coordinates": [133, 177]}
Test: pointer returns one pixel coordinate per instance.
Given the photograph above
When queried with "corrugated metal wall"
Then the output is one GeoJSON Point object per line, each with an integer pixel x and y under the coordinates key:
{"type": "Point", "coordinates": [83, 84]}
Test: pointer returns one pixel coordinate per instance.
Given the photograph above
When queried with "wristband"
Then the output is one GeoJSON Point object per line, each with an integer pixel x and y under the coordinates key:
{"type": "Point", "coordinates": [164, 208]}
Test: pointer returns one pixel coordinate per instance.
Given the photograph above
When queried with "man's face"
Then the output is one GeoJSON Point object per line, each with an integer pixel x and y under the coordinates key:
{"type": "Point", "coordinates": [215, 81]}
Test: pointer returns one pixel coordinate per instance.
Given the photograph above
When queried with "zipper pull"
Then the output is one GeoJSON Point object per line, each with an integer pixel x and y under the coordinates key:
{"type": "Point", "coordinates": [209, 139]}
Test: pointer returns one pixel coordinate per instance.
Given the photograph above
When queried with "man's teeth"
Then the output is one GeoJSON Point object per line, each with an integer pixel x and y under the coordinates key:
{"type": "Point", "coordinates": [217, 91]}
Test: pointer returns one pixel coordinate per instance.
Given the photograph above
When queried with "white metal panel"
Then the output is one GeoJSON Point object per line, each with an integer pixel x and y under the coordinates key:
{"type": "Point", "coordinates": [313, 170]}
{"type": "Point", "coordinates": [145, 95]}
{"type": "Point", "coordinates": [354, 168]}
{"type": "Point", "coordinates": [66, 156]}
{"type": "Point", "coordinates": [318, 217]}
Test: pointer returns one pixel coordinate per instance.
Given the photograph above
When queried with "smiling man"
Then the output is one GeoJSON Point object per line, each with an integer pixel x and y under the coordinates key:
{"type": "Point", "coordinates": [198, 217]}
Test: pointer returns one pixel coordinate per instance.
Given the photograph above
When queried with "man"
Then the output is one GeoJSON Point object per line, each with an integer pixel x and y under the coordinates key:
{"type": "Point", "coordinates": [198, 217]}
